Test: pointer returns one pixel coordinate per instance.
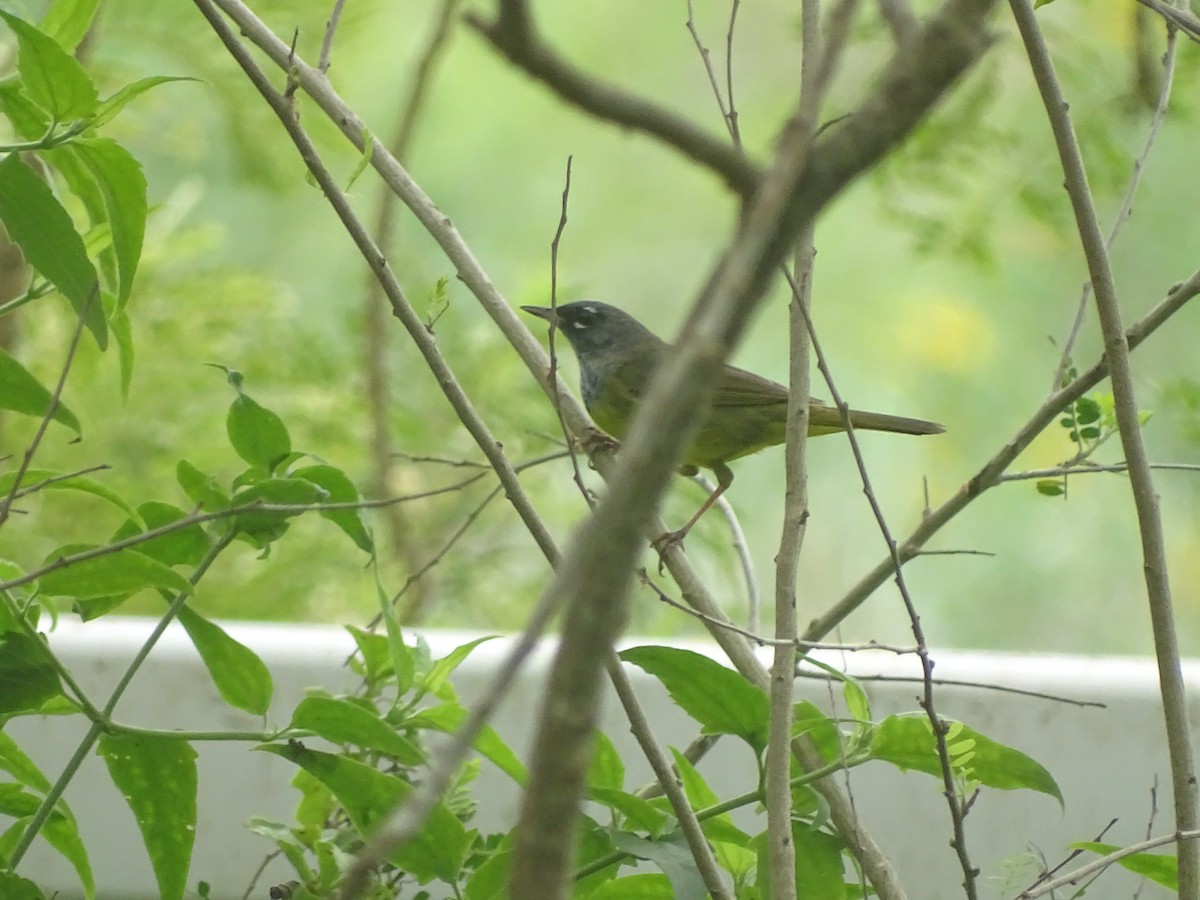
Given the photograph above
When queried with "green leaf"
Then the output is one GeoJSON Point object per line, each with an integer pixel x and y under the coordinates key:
{"type": "Point", "coordinates": [1051, 487]}
{"type": "Point", "coordinates": [437, 677]}
{"type": "Point", "coordinates": [123, 186]}
{"type": "Point", "coordinates": [639, 814]}
{"type": "Point", "coordinates": [53, 78]}
{"type": "Point", "coordinates": [652, 886]}
{"type": "Point", "coordinates": [68, 482]}
{"type": "Point", "coordinates": [14, 887]}
{"type": "Point", "coordinates": [807, 718]}
{"type": "Point", "coordinates": [403, 667]}
{"type": "Point", "coordinates": [21, 392]}
{"type": "Point", "coordinates": [262, 526]}
{"type": "Point", "coordinates": [200, 488]}
{"type": "Point", "coordinates": [122, 328]}
{"type": "Point", "coordinates": [720, 699]}
{"type": "Point", "coordinates": [109, 108]}
{"type": "Point", "coordinates": [448, 717]}
{"type": "Point", "coordinates": [27, 677]}
{"type": "Point", "coordinates": [1160, 868]}
{"type": "Point", "coordinates": [157, 777]}
{"type": "Point", "coordinates": [258, 435]}
{"type": "Point", "coordinates": [672, 857]}
{"type": "Point", "coordinates": [29, 122]}
{"type": "Point", "coordinates": [184, 546]}
{"type": "Point", "coordinates": [339, 489]}
{"type": "Point", "coordinates": [67, 21]}
{"type": "Point", "coordinates": [606, 769]}
{"type": "Point", "coordinates": [121, 572]}
{"type": "Point", "coordinates": [62, 833]}
{"type": "Point", "coordinates": [1087, 411]}
{"type": "Point", "coordinates": [342, 721]}
{"type": "Point", "coordinates": [368, 795]}
{"type": "Point", "coordinates": [39, 225]}
{"type": "Point", "coordinates": [14, 761]}
{"type": "Point", "coordinates": [374, 648]}
{"type": "Point", "coordinates": [818, 864]}
{"type": "Point", "coordinates": [242, 679]}
{"type": "Point", "coordinates": [907, 742]}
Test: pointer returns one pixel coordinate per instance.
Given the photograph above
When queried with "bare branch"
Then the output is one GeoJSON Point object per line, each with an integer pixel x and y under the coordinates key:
{"type": "Point", "coordinates": [1141, 481]}
{"type": "Point", "coordinates": [1182, 19]}
{"type": "Point", "coordinates": [513, 34]}
{"type": "Point", "coordinates": [1074, 877]}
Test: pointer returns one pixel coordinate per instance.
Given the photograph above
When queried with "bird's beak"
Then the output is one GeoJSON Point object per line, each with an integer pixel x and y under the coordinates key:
{"type": "Point", "coordinates": [542, 312]}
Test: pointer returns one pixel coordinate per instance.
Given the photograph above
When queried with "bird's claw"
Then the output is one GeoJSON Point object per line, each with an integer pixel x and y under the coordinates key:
{"type": "Point", "coordinates": [594, 440]}
{"type": "Point", "coordinates": [665, 542]}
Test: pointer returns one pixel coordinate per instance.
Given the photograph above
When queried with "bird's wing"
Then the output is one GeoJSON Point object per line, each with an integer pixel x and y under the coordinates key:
{"type": "Point", "coordinates": [738, 387]}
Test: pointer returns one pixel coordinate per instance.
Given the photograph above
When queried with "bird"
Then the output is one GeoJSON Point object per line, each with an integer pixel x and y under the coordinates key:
{"type": "Point", "coordinates": [617, 358]}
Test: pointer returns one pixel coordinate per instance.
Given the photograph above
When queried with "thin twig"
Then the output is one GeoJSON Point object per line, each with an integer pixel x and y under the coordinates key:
{"type": "Point", "coordinates": [1061, 471]}
{"type": "Point", "coordinates": [51, 407]}
{"type": "Point", "coordinates": [1135, 180]}
{"type": "Point", "coordinates": [988, 475]}
{"type": "Point", "coordinates": [400, 825]}
{"type": "Point", "coordinates": [702, 853]}
{"type": "Point", "coordinates": [1141, 481]}
{"type": "Point", "coordinates": [1183, 19]}
{"type": "Point", "coordinates": [742, 547]}
{"type": "Point", "coordinates": [1180, 837]}
{"type": "Point", "coordinates": [938, 725]}
{"type": "Point", "coordinates": [376, 333]}
{"type": "Point", "coordinates": [335, 16]}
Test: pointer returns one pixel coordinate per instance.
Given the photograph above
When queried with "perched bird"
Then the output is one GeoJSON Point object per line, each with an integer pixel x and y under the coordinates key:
{"type": "Point", "coordinates": [617, 358]}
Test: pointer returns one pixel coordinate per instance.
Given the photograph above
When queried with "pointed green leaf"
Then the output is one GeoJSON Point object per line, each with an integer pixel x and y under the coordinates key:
{"type": "Point", "coordinates": [184, 546]}
{"type": "Point", "coordinates": [122, 572]}
{"type": "Point", "coordinates": [21, 392]}
{"type": "Point", "coordinates": [368, 795]}
{"type": "Point", "coordinates": [27, 677]}
{"type": "Point", "coordinates": [53, 78]}
{"type": "Point", "coordinates": [157, 777]}
{"type": "Point", "coordinates": [1161, 868]}
{"type": "Point", "coordinates": [122, 328]}
{"type": "Point", "coordinates": [64, 481]}
{"type": "Point", "coordinates": [401, 657]}
{"type": "Point", "coordinates": [437, 677]}
{"type": "Point", "coordinates": [258, 435]}
{"type": "Point", "coordinates": [123, 186]}
{"type": "Point", "coordinates": [673, 858]}
{"type": "Point", "coordinates": [62, 833]}
{"type": "Point", "coordinates": [342, 721]}
{"type": "Point", "coordinates": [339, 489]}
{"type": "Point", "coordinates": [28, 121]}
{"type": "Point", "coordinates": [606, 769]}
{"type": "Point", "coordinates": [200, 488]}
{"type": "Point", "coordinates": [448, 717]}
{"type": "Point", "coordinates": [14, 887]}
{"type": "Point", "coordinates": [110, 107]}
{"type": "Point", "coordinates": [720, 699]}
{"type": "Point", "coordinates": [640, 815]}
{"type": "Point", "coordinates": [39, 225]}
{"type": "Point", "coordinates": [242, 679]}
{"type": "Point", "coordinates": [14, 761]}
{"type": "Point", "coordinates": [67, 21]}
{"type": "Point", "coordinates": [907, 742]}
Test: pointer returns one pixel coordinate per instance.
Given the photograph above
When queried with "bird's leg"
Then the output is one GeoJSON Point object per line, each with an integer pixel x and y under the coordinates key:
{"type": "Point", "coordinates": [724, 480]}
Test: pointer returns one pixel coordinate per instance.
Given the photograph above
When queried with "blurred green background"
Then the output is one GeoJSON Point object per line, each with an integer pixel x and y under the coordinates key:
{"type": "Point", "coordinates": [944, 280]}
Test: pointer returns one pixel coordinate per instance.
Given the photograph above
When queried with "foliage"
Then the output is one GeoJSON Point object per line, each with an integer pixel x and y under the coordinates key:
{"type": "Point", "coordinates": [74, 200]}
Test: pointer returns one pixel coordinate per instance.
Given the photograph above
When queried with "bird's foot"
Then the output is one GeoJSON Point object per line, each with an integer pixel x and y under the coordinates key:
{"type": "Point", "coordinates": [593, 440]}
{"type": "Point", "coordinates": [665, 542]}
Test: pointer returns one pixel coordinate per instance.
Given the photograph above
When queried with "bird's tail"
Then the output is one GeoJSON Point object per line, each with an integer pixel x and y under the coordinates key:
{"type": "Point", "coordinates": [825, 419]}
